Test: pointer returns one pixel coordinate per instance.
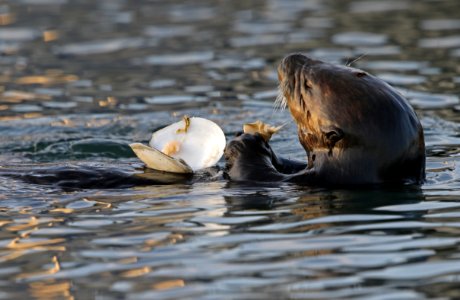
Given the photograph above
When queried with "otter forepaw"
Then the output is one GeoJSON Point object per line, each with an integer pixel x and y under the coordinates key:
{"type": "Point", "coordinates": [249, 158]}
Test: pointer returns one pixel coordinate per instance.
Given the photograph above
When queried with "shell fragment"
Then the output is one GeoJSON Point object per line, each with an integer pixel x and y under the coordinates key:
{"type": "Point", "coordinates": [183, 147]}
{"type": "Point", "coordinates": [265, 130]}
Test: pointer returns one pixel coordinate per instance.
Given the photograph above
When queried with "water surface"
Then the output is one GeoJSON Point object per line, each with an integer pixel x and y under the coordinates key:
{"type": "Point", "coordinates": [79, 80]}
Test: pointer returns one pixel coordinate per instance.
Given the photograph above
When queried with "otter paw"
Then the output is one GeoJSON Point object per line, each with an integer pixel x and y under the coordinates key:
{"type": "Point", "coordinates": [249, 158]}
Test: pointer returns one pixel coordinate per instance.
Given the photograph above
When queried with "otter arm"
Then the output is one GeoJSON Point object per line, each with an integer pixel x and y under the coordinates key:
{"type": "Point", "coordinates": [287, 166]}
{"type": "Point", "coordinates": [250, 158]}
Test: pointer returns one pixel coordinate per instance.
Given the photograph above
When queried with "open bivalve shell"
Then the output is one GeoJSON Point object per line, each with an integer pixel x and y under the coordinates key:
{"type": "Point", "coordinates": [183, 147]}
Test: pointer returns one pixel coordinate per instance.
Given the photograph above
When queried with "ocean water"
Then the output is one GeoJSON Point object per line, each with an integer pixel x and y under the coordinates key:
{"type": "Point", "coordinates": [80, 80]}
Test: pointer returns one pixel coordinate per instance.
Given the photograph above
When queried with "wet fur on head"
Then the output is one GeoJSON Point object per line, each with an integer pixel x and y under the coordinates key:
{"type": "Point", "coordinates": [352, 124]}
{"type": "Point", "coordinates": [355, 128]}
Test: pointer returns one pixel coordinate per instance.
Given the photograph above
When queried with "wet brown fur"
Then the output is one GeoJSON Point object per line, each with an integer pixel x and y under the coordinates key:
{"type": "Point", "coordinates": [368, 115]}
{"type": "Point", "coordinates": [355, 128]}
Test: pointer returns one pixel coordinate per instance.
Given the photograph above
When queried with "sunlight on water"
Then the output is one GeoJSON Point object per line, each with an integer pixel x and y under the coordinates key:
{"type": "Point", "coordinates": [80, 80]}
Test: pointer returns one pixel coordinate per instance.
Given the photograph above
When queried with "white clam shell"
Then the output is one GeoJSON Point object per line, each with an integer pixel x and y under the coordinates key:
{"type": "Point", "coordinates": [157, 160]}
{"type": "Point", "coordinates": [200, 146]}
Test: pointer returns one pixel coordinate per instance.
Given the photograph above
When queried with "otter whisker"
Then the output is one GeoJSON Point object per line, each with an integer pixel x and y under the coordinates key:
{"type": "Point", "coordinates": [348, 64]}
{"type": "Point", "coordinates": [281, 101]}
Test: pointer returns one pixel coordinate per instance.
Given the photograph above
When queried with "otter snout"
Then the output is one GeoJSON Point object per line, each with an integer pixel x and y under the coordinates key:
{"type": "Point", "coordinates": [291, 63]}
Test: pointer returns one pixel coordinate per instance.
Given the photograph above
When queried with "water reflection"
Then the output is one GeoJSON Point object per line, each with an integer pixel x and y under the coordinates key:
{"type": "Point", "coordinates": [79, 80]}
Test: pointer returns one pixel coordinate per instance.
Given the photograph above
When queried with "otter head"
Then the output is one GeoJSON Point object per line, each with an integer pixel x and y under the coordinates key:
{"type": "Point", "coordinates": [354, 127]}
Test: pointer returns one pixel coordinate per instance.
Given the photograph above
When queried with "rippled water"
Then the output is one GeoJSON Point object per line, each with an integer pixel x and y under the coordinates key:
{"type": "Point", "coordinates": [79, 80]}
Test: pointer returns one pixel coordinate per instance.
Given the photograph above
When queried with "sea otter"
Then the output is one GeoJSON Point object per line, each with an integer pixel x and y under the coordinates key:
{"type": "Point", "coordinates": [355, 128]}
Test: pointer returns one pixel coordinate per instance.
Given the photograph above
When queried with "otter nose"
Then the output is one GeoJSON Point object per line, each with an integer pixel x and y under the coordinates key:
{"type": "Point", "coordinates": [296, 58]}
{"type": "Point", "coordinates": [293, 62]}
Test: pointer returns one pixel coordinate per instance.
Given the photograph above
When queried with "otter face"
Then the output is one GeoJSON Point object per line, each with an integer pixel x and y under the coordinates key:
{"type": "Point", "coordinates": [353, 125]}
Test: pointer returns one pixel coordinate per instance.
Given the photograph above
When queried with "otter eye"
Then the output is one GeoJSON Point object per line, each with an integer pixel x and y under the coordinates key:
{"type": "Point", "coordinates": [360, 74]}
{"type": "Point", "coordinates": [334, 135]}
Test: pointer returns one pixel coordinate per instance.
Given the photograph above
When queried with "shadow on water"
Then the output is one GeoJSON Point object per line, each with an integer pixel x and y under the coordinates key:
{"type": "Point", "coordinates": [316, 202]}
